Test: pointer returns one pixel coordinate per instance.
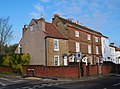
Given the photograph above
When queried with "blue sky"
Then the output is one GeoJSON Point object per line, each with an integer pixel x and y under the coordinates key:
{"type": "Point", "coordinates": [99, 15]}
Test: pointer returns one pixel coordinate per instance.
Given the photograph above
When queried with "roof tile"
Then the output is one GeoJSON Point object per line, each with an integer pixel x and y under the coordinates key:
{"type": "Point", "coordinates": [52, 31]}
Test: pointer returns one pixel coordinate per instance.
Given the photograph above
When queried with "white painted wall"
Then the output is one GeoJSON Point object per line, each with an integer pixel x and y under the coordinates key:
{"type": "Point", "coordinates": [113, 54]}
{"type": "Point", "coordinates": [105, 49]}
{"type": "Point", "coordinates": [117, 57]}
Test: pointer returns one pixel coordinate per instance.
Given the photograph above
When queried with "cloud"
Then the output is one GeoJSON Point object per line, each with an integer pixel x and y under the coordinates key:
{"type": "Point", "coordinates": [35, 15]}
{"type": "Point", "coordinates": [45, 0]}
{"type": "Point", "coordinates": [39, 9]}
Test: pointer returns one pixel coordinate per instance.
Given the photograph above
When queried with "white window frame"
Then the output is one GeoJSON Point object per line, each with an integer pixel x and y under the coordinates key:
{"type": "Point", "coordinates": [96, 39]}
{"type": "Point", "coordinates": [32, 28]}
{"type": "Point", "coordinates": [19, 49]}
{"type": "Point", "coordinates": [89, 37]}
{"type": "Point", "coordinates": [76, 33]}
{"type": "Point", "coordinates": [89, 48]}
{"type": "Point", "coordinates": [58, 63]}
{"type": "Point", "coordinates": [56, 48]}
{"type": "Point", "coordinates": [97, 50]}
{"type": "Point", "coordinates": [77, 47]}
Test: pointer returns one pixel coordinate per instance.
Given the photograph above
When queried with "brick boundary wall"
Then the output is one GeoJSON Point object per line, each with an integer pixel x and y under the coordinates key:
{"type": "Point", "coordinates": [104, 68]}
{"type": "Point", "coordinates": [5, 69]}
{"type": "Point", "coordinates": [64, 71]}
{"type": "Point", "coordinates": [51, 71]}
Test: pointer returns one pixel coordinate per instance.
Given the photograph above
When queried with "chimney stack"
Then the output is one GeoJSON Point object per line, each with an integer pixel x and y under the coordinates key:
{"type": "Point", "coordinates": [24, 29]}
{"type": "Point", "coordinates": [41, 23]}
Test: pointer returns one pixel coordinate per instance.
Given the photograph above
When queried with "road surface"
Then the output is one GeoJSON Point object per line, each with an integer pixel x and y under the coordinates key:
{"type": "Point", "coordinates": [111, 82]}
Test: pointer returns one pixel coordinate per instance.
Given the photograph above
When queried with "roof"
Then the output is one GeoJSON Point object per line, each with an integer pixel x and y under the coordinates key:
{"type": "Point", "coordinates": [52, 31]}
{"type": "Point", "coordinates": [105, 36]}
{"type": "Point", "coordinates": [64, 21]}
{"type": "Point", "coordinates": [117, 49]}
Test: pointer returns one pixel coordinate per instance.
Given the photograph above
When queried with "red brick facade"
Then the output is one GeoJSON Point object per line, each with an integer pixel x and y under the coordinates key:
{"type": "Point", "coordinates": [51, 71]}
{"type": "Point", "coordinates": [68, 28]}
{"type": "Point", "coordinates": [65, 71]}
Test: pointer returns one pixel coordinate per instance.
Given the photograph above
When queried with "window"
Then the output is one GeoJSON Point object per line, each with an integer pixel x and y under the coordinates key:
{"type": "Point", "coordinates": [89, 48]}
{"type": "Point", "coordinates": [97, 50]}
{"type": "Point", "coordinates": [56, 60]}
{"type": "Point", "coordinates": [31, 28]}
{"type": "Point", "coordinates": [77, 47]}
{"type": "Point", "coordinates": [104, 41]}
{"type": "Point", "coordinates": [96, 39]}
{"type": "Point", "coordinates": [89, 37]}
{"type": "Point", "coordinates": [56, 45]}
{"type": "Point", "coordinates": [76, 33]}
{"type": "Point", "coordinates": [20, 49]}
{"type": "Point", "coordinates": [104, 50]}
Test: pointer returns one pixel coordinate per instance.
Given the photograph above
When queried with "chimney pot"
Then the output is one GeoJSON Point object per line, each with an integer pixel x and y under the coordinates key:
{"type": "Point", "coordinates": [76, 22]}
{"type": "Point", "coordinates": [56, 15]}
{"type": "Point", "coordinates": [24, 25]}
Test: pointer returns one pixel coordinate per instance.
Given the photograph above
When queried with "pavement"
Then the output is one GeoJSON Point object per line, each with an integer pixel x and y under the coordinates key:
{"type": "Point", "coordinates": [86, 78]}
{"type": "Point", "coordinates": [13, 81]}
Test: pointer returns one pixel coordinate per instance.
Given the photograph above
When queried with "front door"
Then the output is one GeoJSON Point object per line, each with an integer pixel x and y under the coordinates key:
{"type": "Point", "coordinates": [65, 62]}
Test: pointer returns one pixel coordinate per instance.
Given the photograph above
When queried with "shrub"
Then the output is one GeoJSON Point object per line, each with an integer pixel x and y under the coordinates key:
{"type": "Point", "coordinates": [16, 61]}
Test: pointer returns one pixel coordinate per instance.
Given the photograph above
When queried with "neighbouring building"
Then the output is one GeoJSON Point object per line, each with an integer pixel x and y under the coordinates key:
{"type": "Point", "coordinates": [105, 48]}
{"type": "Point", "coordinates": [112, 53]}
{"type": "Point", "coordinates": [80, 39]}
{"type": "Point", "coordinates": [44, 42]}
{"type": "Point", "coordinates": [117, 55]}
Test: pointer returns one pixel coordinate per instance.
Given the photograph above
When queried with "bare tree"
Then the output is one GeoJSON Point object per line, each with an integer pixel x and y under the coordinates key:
{"type": "Point", "coordinates": [5, 32]}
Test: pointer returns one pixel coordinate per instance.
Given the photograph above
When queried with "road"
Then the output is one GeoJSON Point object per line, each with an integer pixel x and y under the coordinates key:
{"type": "Point", "coordinates": [111, 82]}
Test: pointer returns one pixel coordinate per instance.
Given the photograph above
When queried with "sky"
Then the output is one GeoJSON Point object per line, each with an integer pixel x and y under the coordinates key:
{"type": "Point", "coordinates": [99, 15]}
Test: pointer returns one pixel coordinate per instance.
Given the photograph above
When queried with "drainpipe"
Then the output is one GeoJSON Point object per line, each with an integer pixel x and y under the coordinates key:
{"type": "Point", "coordinates": [45, 51]}
{"type": "Point", "coordinates": [92, 48]}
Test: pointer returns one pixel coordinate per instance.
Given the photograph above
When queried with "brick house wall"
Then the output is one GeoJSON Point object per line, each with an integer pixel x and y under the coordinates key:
{"type": "Point", "coordinates": [63, 48]}
{"type": "Point", "coordinates": [37, 40]}
{"type": "Point", "coordinates": [67, 29]}
{"type": "Point", "coordinates": [33, 42]}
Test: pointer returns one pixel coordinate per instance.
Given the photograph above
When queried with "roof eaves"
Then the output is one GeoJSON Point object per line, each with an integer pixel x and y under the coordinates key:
{"type": "Point", "coordinates": [77, 25]}
{"type": "Point", "coordinates": [55, 37]}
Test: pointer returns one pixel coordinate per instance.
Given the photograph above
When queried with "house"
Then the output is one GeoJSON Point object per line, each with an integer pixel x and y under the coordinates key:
{"type": "Point", "coordinates": [80, 39]}
{"type": "Point", "coordinates": [112, 53]}
{"type": "Point", "coordinates": [105, 48]}
{"type": "Point", "coordinates": [117, 55]}
{"type": "Point", "coordinates": [44, 42]}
